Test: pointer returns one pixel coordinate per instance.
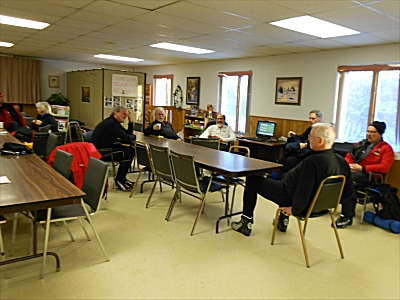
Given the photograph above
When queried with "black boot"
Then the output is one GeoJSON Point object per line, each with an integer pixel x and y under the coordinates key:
{"type": "Point", "coordinates": [243, 226]}
{"type": "Point", "coordinates": [283, 222]}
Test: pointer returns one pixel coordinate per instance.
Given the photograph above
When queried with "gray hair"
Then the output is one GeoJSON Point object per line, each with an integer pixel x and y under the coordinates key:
{"type": "Point", "coordinates": [326, 132]}
{"type": "Point", "coordinates": [43, 107]}
{"type": "Point", "coordinates": [156, 110]}
{"type": "Point", "coordinates": [117, 109]}
{"type": "Point", "coordinates": [317, 112]}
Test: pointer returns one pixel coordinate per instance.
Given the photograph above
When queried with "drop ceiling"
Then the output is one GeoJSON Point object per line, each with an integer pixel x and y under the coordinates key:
{"type": "Point", "coordinates": [233, 29]}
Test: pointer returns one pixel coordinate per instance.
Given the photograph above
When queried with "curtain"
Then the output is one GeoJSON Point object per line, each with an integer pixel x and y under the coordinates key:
{"type": "Point", "coordinates": [21, 80]}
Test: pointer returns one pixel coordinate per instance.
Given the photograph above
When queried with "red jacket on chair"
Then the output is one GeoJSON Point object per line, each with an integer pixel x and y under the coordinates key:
{"type": "Point", "coordinates": [82, 152]}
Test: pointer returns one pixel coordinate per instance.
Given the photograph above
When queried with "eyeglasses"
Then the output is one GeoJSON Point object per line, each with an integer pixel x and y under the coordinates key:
{"type": "Point", "coordinates": [312, 118]}
{"type": "Point", "coordinates": [313, 137]}
{"type": "Point", "coordinates": [372, 131]}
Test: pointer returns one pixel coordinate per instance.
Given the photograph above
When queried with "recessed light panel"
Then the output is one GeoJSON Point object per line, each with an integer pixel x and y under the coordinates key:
{"type": "Point", "coordinates": [22, 22]}
{"type": "Point", "coordinates": [313, 26]}
{"type": "Point", "coordinates": [5, 44]}
{"type": "Point", "coordinates": [180, 48]}
{"type": "Point", "coordinates": [122, 58]}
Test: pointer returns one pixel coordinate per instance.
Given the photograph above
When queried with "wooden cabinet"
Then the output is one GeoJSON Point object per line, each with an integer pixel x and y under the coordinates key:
{"type": "Point", "coordinates": [194, 125]}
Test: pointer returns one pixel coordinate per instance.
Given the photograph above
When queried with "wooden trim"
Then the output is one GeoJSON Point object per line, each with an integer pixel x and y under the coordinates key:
{"type": "Point", "coordinates": [241, 73]}
{"type": "Point", "coordinates": [375, 68]}
{"type": "Point", "coordinates": [171, 76]}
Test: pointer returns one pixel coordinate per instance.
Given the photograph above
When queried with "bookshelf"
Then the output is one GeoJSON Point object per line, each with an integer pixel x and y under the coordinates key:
{"type": "Point", "coordinates": [61, 114]}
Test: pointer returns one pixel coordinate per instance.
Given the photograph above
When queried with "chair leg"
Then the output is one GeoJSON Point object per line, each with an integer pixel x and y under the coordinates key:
{"type": "Point", "coordinates": [69, 231]}
{"type": "Point", "coordinates": [364, 208]}
{"type": "Point", "coordinates": [303, 242]}
{"type": "Point", "coordinates": [94, 230]}
{"type": "Point", "coordinates": [171, 206]}
{"type": "Point", "coordinates": [152, 191]}
{"type": "Point", "coordinates": [84, 229]}
{"type": "Point", "coordinates": [337, 237]}
{"type": "Point", "coordinates": [202, 204]}
{"type": "Point", "coordinates": [136, 183]}
{"type": "Point", "coordinates": [114, 175]}
{"type": "Point", "coordinates": [3, 257]}
{"type": "Point", "coordinates": [275, 226]}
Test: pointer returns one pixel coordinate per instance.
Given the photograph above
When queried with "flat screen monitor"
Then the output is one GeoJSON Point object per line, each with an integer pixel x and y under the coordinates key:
{"type": "Point", "coordinates": [265, 129]}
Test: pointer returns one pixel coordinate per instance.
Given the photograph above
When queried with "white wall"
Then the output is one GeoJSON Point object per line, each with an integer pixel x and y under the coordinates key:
{"type": "Point", "coordinates": [318, 69]}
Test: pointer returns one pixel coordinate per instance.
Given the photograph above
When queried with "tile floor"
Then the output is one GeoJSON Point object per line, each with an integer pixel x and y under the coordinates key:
{"type": "Point", "coordinates": [155, 259]}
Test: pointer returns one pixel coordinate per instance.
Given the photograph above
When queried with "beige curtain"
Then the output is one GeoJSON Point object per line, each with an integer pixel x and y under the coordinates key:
{"type": "Point", "coordinates": [21, 80]}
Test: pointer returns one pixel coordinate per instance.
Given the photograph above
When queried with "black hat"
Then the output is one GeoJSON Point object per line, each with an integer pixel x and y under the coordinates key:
{"type": "Point", "coordinates": [379, 126]}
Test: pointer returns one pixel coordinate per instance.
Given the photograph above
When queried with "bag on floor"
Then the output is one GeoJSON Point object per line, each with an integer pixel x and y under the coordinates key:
{"type": "Point", "coordinates": [385, 200]}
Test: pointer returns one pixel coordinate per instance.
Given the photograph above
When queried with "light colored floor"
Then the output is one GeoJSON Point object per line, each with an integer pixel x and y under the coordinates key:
{"type": "Point", "coordinates": [155, 259]}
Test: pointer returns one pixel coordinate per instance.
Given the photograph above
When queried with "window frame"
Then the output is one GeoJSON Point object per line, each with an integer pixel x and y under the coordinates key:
{"type": "Point", "coordinates": [155, 77]}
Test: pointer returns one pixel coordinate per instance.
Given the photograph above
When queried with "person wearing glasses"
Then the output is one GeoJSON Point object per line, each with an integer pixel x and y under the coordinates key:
{"type": "Point", "coordinates": [295, 191]}
{"type": "Point", "coordinates": [372, 154]}
{"type": "Point", "coordinates": [298, 146]}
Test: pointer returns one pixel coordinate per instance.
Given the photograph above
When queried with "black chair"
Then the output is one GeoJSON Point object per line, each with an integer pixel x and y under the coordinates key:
{"type": "Point", "coordinates": [326, 198]}
{"type": "Point", "coordinates": [87, 136]}
{"type": "Point", "coordinates": [213, 143]}
{"type": "Point", "coordinates": [40, 143]}
{"type": "Point", "coordinates": [212, 122]}
{"type": "Point", "coordinates": [187, 181]}
{"type": "Point", "coordinates": [138, 127]}
{"type": "Point", "coordinates": [342, 148]}
{"type": "Point", "coordinates": [53, 141]}
{"type": "Point", "coordinates": [143, 159]}
{"type": "Point", "coordinates": [28, 121]}
{"type": "Point", "coordinates": [46, 128]}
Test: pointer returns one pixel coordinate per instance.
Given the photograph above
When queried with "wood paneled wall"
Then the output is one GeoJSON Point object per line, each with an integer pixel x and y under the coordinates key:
{"type": "Point", "coordinates": [283, 126]}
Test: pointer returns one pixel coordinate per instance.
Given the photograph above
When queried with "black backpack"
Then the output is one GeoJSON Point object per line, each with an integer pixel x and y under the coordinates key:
{"type": "Point", "coordinates": [24, 134]}
{"type": "Point", "coordinates": [385, 200]}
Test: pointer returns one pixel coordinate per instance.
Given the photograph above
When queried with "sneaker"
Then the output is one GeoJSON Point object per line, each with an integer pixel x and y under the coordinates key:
{"type": "Point", "coordinates": [243, 226]}
{"type": "Point", "coordinates": [283, 222]}
{"type": "Point", "coordinates": [128, 182]}
{"type": "Point", "coordinates": [122, 186]}
{"type": "Point", "coordinates": [343, 222]}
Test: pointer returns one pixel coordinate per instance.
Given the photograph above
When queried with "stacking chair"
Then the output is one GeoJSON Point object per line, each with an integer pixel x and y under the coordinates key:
{"type": "Point", "coordinates": [327, 197]}
{"type": "Point", "coordinates": [93, 185]}
{"type": "Point", "coordinates": [213, 143]}
{"type": "Point", "coordinates": [40, 143]}
{"type": "Point", "coordinates": [28, 121]}
{"type": "Point", "coordinates": [363, 194]}
{"type": "Point", "coordinates": [53, 141]}
{"type": "Point", "coordinates": [74, 132]}
{"type": "Point", "coordinates": [143, 159]}
{"type": "Point", "coordinates": [138, 127]}
{"type": "Point", "coordinates": [162, 168]}
{"type": "Point", "coordinates": [45, 128]}
{"type": "Point", "coordinates": [87, 136]}
{"type": "Point", "coordinates": [3, 257]}
{"type": "Point", "coordinates": [186, 181]}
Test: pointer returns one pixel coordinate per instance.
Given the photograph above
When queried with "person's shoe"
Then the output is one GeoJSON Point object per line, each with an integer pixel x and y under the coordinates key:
{"type": "Point", "coordinates": [243, 226]}
{"type": "Point", "coordinates": [343, 222]}
{"type": "Point", "coordinates": [122, 186]}
{"type": "Point", "coordinates": [128, 182]}
{"type": "Point", "coordinates": [283, 222]}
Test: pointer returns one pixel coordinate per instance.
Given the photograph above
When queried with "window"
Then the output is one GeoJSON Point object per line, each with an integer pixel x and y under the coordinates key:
{"type": "Point", "coordinates": [234, 98]}
{"type": "Point", "coordinates": [368, 93]}
{"type": "Point", "coordinates": [163, 90]}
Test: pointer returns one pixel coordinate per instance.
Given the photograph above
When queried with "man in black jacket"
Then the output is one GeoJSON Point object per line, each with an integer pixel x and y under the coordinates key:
{"type": "Point", "coordinates": [110, 133]}
{"type": "Point", "coordinates": [160, 127]}
{"type": "Point", "coordinates": [294, 192]}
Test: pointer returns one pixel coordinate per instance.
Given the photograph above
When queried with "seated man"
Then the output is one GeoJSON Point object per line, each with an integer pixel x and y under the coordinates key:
{"type": "Point", "coordinates": [11, 118]}
{"type": "Point", "coordinates": [298, 146]}
{"type": "Point", "coordinates": [221, 131]}
{"type": "Point", "coordinates": [295, 191]}
{"type": "Point", "coordinates": [107, 133]}
{"type": "Point", "coordinates": [370, 155]}
{"type": "Point", "coordinates": [161, 127]}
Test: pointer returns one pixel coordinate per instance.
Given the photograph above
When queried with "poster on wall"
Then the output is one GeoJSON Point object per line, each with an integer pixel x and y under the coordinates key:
{"type": "Point", "coordinates": [129, 103]}
{"type": "Point", "coordinates": [86, 93]}
{"type": "Point", "coordinates": [108, 101]}
{"type": "Point", "coordinates": [124, 85]}
{"type": "Point", "coordinates": [117, 101]}
{"type": "Point", "coordinates": [138, 106]}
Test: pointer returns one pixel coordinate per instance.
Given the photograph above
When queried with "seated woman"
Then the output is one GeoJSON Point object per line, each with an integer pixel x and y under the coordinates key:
{"type": "Point", "coordinates": [44, 117]}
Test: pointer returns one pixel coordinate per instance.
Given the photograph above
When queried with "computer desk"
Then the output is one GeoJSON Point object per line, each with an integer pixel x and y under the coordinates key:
{"type": "Point", "coordinates": [270, 151]}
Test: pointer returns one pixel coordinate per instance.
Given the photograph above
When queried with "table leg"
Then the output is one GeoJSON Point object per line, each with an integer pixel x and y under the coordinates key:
{"type": "Point", "coordinates": [46, 240]}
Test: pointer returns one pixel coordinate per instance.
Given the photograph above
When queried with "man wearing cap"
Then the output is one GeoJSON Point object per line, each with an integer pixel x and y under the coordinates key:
{"type": "Point", "coordinates": [370, 155]}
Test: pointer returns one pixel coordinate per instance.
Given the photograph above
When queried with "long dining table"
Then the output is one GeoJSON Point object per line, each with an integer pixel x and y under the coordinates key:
{"type": "Point", "coordinates": [227, 164]}
{"type": "Point", "coordinates": [34, 185]}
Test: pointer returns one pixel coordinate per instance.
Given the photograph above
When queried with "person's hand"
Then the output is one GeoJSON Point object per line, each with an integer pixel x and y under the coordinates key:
{"type": "Point", "coordinates": [287, 211]}
{"type": "Point", "coordinates": [290, 133]}
{"type": "Point", "coordinates": [303, 145]}
{"type": "Point", "coordinates": [179, 139]}
{"type": "Point", "coordinates": [129, 114]}
{"type": "Point", "coordinates": [355, 167]}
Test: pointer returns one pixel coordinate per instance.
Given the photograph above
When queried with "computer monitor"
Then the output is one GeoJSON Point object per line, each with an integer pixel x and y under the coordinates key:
{"type": "Point", "coordinates": [265, 129]}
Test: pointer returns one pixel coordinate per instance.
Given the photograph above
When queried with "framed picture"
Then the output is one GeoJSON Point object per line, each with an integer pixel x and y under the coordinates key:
{"type": "Point", "coordinates": [54, 81]}
{"type": "Point", "coordinates": [85, 93]}
{"type": "Point", "coordinates": [288, 90]}
{"type": "Point", "coordinates": [193, 90]}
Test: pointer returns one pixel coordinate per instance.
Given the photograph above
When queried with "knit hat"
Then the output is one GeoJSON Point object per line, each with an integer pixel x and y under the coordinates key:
{"type": "Point", "coordinates": [379, 126]}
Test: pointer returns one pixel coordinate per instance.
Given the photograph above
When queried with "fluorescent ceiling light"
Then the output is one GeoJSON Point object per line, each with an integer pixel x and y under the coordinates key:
{"type": "Point", "coordinates": [123, 58]}
{"type": "Point", "coordinates": [175, 47]}
{"type": "Point", "coordinates": [5, 44]}
{"type": "Point", "coordinates": [313, 26]}
{"type": "Point", "coordinates": [22, 22]}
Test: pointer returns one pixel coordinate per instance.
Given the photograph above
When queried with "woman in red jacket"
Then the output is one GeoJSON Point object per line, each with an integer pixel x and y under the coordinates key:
{"type": "Point", "coordinates": [370, 155]}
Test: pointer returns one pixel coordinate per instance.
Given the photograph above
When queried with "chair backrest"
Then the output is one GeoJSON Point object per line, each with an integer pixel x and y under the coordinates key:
{"type": "Point", "coordinates": [212, 122]}
{"type": "Point", "coordinates": [74, 132]}
{"type": "Point", "coordinates": [28, 121]}
{"type": "Point", "coordinates": [161, 162]}
{"type": "Point", "coordinates": [87, 136]}
{"type": "Point", "coordinates": [143, 155]}
{"type": "Point", "coordinates": [138, 127]}
{"type": "Point", "coordinates": [53, 141]}
{"type": "Point", "coordinates": [212, 143]}
{"type": "Point", "coordinates": [185, 172]}
{"type": "Point", "coordinates": [63, 162]}
{"type": "Point", "coordinates": [45, 128]}
{"type": "Point", "coordinates": [328, 194]}
{"type": "Point", "coordinates": [40, 143]}
{"type": "Point", "coordinates": [95, 182]}
{"type": "Point", "coordinates": [241, 150]}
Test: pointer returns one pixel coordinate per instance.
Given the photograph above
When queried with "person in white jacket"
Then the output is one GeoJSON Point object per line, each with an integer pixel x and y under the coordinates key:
{"type": "Point", "coordinates": [221, 131]}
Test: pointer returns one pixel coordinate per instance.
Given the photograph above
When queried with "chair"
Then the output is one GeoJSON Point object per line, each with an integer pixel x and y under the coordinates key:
{"type": "Point", "coordinates": [186, 181]}
{"type": "Point", "coordinates": [327, 197]}
{"type": "Point", "coordinates": [74, 132]}
{"type": "Point", "coordinates": [212, 143]}
{"type": "Point", "coordinates": [40, 143]}
{"type": "Point", "coordinates": [93, 186]}
{"type": "Point", "coordinates": [138, 127]}
{"type": "Point", "coordinates": [3, 257]}
{"type": "Point", "coordinates": [87, 136]}
{"type": "Point", "coordinates": [28, 121]}
{"type": "Point", "coordinates": [162, 168]}
{"type": "Point", "coordinates": [143, 158]}
{"type": "Point", "coordinates": [363, 194]}
{"type": "Point", "coordinates": [46, 128]}
{"type": "Point", "coordinates": [53, 141]}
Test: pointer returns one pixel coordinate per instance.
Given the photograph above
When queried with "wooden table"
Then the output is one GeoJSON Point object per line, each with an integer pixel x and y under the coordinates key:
{"type": "Point", "coordinates": [228, 164]}
{"type": "Point", "coordinates": [34, 185]}
{"type": "Point", "coordinates": [270, 151]}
